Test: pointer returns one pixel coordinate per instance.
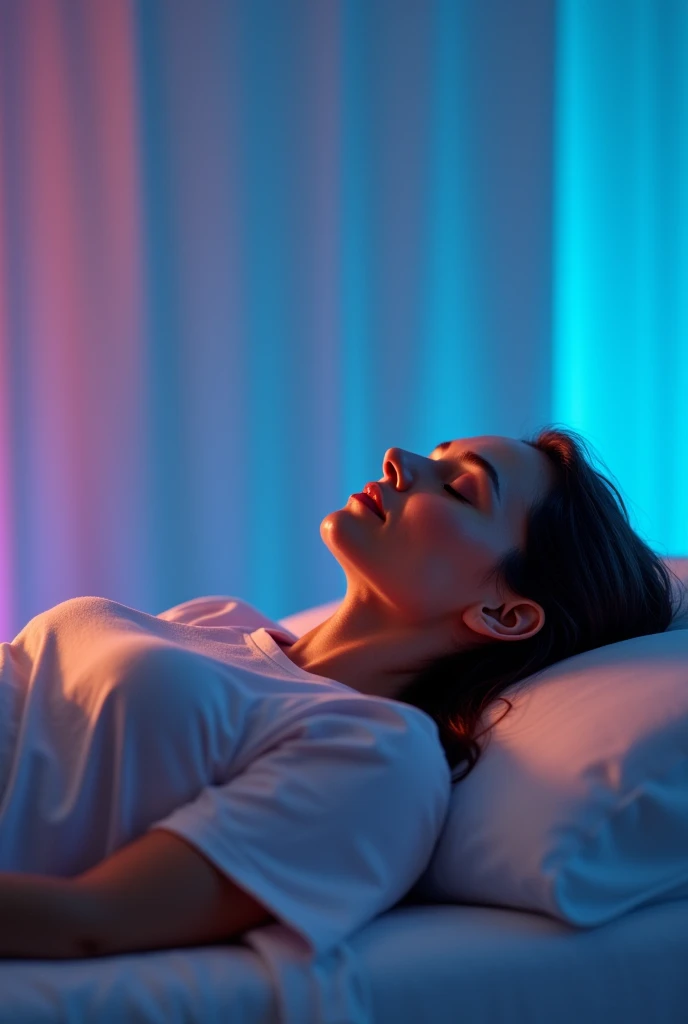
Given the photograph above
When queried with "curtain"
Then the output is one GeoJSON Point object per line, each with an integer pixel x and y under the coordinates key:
{"type": "Point", "coordinates": [248, 245]}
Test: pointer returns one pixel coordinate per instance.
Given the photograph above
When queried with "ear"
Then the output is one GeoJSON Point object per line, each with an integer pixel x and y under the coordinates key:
{"type": "Point", "coordinates": [514, 620]}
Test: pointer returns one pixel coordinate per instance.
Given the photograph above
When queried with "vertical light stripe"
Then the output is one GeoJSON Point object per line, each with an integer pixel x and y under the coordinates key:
{"type": "Point", "coordinates": [271, 39]}
{"type": "Point", "coordinates": [316, 464]}
{"type": "Point", "coordinates": [572, 138]}
{"type": "Point", "coordinates": [13, 31]}
{"type": "Point", "coordinates": [197, 74]}
{"type": "Point", "coordinates": [358, 269]}
{"type": "Point", "coordinates": [164, 441]}
{"type": "Point", "coordinates": [674, 537]}
{"type": "Point", "coordinates": [619, 371]}
{"type": "Point", "coordinates": [57, 503]}
{"type": "Point", "coordinates": [447, 280]}
{"type": "Point", "coordinates": [483, 359]}
{"type": "Point", "coordinates": [111, 295]}
{"type": "Point", "coordinates": [7, 526]}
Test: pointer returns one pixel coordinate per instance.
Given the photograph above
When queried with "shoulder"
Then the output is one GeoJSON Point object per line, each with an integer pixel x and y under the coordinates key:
{"type": "Point", "coordinates": [421, 767]}
{"type": "Point", "coordinates": [398, 741]}
{"type": "Point", "coordinates": [217, 610]}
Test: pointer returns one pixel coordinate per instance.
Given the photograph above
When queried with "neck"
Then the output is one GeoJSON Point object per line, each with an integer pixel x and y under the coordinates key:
{"type": "Point", "coordinates": [357, 647]}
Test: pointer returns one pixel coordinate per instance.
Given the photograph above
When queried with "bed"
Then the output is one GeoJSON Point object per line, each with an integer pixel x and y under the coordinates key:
{"type": "Point", "coordinates": [430, 964]}
{"type": "Point", "coordinates": [421, 961]}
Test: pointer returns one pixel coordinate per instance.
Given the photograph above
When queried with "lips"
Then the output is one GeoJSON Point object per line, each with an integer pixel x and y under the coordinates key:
{"type": "Point", "coordinates": [367, 500]}
{"type": "Point", "coordinates": [374, 491]}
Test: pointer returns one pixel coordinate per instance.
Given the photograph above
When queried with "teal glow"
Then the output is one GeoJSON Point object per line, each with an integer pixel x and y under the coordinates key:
{"type": "Point", "coordinates": [620, 316]}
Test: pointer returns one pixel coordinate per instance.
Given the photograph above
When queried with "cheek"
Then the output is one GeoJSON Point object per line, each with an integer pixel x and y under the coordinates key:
{"type": "Point", "coordinates": [441, 538]}
{"type": "Point", "coordinates": [436, 525]}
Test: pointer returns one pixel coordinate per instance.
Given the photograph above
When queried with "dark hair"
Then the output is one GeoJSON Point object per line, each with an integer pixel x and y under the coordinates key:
{"type": "Point", "coordinates": [597, 581]}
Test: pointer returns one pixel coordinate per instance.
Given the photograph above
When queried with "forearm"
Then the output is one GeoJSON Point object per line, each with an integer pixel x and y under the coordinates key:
{"type": "Point", "coordinates": [41, 917]}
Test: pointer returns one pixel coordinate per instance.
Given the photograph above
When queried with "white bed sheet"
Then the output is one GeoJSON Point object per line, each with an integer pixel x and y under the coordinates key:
{"type": "Point", "coordinates": [452, 964]}
{"type": "Point", "coordinates": [431, 964]}
{"type": "Point", "coordinates": [207, 984]}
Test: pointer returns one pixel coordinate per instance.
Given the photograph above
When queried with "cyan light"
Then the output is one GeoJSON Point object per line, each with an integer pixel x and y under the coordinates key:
{"type": "Point", "coordinates": [620, 344]}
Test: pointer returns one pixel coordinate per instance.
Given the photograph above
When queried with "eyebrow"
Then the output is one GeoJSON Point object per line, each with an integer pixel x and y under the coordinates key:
{"type": "Point", "coordinates": [473, 459]}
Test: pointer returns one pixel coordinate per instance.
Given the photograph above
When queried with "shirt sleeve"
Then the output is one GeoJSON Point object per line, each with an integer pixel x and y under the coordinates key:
{"type": "Point", "coordinates": [216, 611]}
{"type": "Point", "coordinates": [333, 825]}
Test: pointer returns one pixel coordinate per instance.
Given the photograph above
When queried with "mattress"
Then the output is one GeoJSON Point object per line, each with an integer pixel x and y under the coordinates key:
{"type": "Point", "coordinates": [487, 965]}
{"type": "Point", "coordinates": [436, 964]}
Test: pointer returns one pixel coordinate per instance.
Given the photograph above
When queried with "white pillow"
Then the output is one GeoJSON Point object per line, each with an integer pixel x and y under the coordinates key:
{"type": "Point", "coordinates": [578, 806]}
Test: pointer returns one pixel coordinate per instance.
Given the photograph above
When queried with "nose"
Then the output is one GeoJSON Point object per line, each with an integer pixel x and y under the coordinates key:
{"type": "Point", "coordinates": [396, 469]}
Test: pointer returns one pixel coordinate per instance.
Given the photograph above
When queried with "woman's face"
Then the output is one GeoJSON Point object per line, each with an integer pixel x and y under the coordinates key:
{"type": "Point", "coordinates": [427, 559]}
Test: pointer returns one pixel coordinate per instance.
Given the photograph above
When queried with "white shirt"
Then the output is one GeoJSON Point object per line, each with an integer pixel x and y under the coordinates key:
{"type": "Point", "coordinates": [322, 802]}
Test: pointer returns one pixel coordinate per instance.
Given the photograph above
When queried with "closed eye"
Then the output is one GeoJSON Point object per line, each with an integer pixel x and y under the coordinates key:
{"type": "Point", "coordinates": [457, 495]}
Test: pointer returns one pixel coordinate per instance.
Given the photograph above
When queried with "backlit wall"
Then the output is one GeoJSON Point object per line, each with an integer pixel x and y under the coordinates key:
{"type": "Point", "coordinates": [247, 246]}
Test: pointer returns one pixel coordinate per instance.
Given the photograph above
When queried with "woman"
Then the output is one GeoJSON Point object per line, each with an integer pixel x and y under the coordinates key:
{"type": "Point", "coordinates": [531, 558]}
{"type": "Point", "coordinates": [179, 779]}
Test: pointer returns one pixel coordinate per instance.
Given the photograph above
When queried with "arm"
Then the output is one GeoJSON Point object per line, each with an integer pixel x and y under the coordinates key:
{"type": "Point", "coordinates": [41, 917]}
{"type": "Point", "coordinates": [160, 892]}
{"type": "Point", "coordinates": [157, 892]}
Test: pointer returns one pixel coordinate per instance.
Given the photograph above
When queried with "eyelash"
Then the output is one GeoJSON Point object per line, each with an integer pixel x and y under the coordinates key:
{"type": "Point", "coordinates": [456, 493]}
